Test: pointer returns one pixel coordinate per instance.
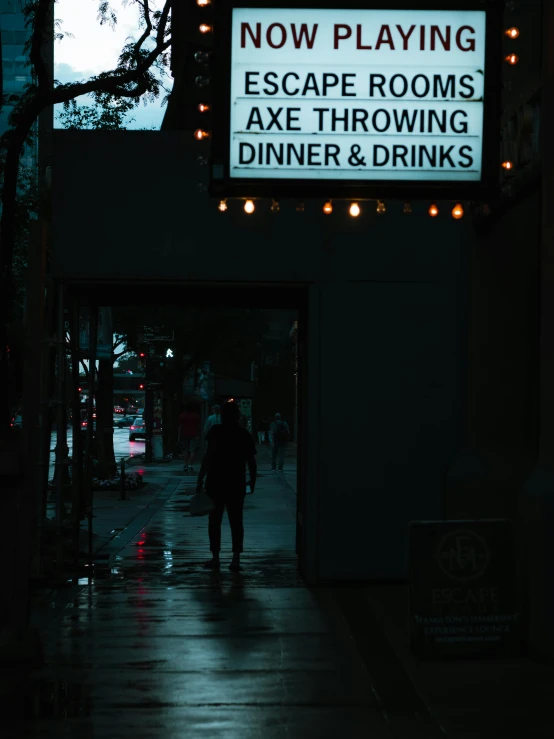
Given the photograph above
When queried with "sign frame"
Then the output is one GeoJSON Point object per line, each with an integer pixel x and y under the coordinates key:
{"type": "Point", "coordinates": [222, 185]}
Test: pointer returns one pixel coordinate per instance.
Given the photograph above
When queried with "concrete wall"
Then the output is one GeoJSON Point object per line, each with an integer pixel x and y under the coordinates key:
{"type": "Point", "coordinates": [386, 325]}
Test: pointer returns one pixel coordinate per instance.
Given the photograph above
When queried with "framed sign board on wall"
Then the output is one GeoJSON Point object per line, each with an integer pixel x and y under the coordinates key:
{"type": "Point", "coordinates": [356, 101]}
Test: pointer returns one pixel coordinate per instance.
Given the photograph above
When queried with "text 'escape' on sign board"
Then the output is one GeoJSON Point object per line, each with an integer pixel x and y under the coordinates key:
{"type": "Point", "coordinates": [357, 94]}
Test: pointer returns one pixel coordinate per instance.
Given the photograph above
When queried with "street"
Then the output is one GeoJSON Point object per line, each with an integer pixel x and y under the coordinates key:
{"type": "Point", "coordinates": [123, 448]}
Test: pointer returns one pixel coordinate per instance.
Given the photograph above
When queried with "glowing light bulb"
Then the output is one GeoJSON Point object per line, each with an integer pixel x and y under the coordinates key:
{"type": "Point", "coordinates": [249, 207]}
{"type": "Point", "coordinates": [512, 32]}
{"type": "Point", "coordinates": [205, 28]}
{"type": "Point", "coordinates": [328, 207]}
{"type": "Point", "coordinates": [222, 207]}
{"type": "Point", "coordinates": [457, 212]}
{"type": "Point", "coordinates": [355, 210]}
{"type": "Point", "coordinates": [200, 135]}
{"type": "Point", "coordinates": [407, 207]}
{"type": "Point", "coordinates": [381, 207]}
{"type": "Point", "coordinates": [433, 211]}
{"type": "Point", "coordinates": [507, 165]}
{"type": "Point", "coordinates": [203, 108]}
{"type": "Point", "coordinates": [275, 207]}
{"type": "Point", "coordinates": [203, 3]}
{"type": "Point", "coordinates": [512, 59]}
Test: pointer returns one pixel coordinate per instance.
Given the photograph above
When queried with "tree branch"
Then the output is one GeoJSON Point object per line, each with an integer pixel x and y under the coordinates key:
{"type": "Point", "coordinates": [40, 25]}
{"type": "Point", "coordinates": [147, 30]}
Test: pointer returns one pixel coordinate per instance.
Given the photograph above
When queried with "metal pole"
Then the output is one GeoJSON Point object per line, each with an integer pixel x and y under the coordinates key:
{"type": "Point", "coordinates": [149, 407]}
{"type": "Point", "coordinates": [123, 496]}
{"type": "Point", "coordinates": [60, 436]}
{"type": "Point", "coordinates": [77, 471]}
{"type": "Point", "coordinates": [93, 330]}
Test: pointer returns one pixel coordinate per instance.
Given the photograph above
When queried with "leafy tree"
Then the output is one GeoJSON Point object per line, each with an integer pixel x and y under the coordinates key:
{"type": "Point", "coordinates": [135, 77]}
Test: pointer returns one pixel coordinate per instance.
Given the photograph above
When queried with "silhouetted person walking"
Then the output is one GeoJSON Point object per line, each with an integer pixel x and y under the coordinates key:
{"type": "Point", "coordinates": [281, 434]}
{"type": "Point", "coordinates": [230, 449]}
{"type": "Point", "coordinates": [189, 434]}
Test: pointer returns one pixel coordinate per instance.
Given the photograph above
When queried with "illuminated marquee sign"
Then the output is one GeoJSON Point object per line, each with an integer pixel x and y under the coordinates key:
{"type": "Point", "coordinates": [356, 96]}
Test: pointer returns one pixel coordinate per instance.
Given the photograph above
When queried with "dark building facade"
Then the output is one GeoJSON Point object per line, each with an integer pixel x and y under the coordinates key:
{"type": "Point", "coordinates": [439, 328]}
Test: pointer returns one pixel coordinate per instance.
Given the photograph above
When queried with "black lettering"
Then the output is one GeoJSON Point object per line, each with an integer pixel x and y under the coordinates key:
{"type": "Point", "coordinates": [332, 151]}
{"type": "Point", "coordinates": [313, 152]}
{"type": "Point", "coordinates": [336, 118]}
{"type": "Point", "coordinates": [374, 120]}
{"type": "Point", "coordinates": [268, 81]}
{"type": "Point", "coordinates": [399, 152]}
{"type": "Point", "coordinates": [426, 85]}
{"type": "Point", "coordinates": [468, 159]}
{"type": "Point", "coordinates": [393, 82]}
{"type": "Point", "coordinates": [310, 84]}
{"type": "Point", "coordinates": [359, 115]}
{"type": "Point", "coordinates": [440, 121]}
{"type": "Point", "coordinates": [320, 112]}
{"type": "Point", "coordinates": [470, 88]}
{"type": "Point", "coordinates": [298, 154]}
{"type": "Point", "coordinates": [431, 156]}
{"type": "Point", "coordinates": [334, 81]}
{"type": "Point", "coordinates": [448, 90]}
{"type": "Point", "coordinates": [404, 119]}
{"type": "Point", "coordinates": [277, 153]}
{"type": "Point", "coordinates": [274, 119]}
{"type": "Point", "coordinates": [346, 84]}
{"type": "Point", "coordinates": [255, 119]}
{"type": "Point", "coordinates": [285, 82]}
{"type": "Point", "coordinates": [445, 155]}
{"type": "Point", "coordinates": [377, 81]}
{"type": "Point", "coordinates": [376, 162]}
{"type": "Point", "coordinates": [461, 127]}
{"type": "Point", "coordinates": [248, 82]}
{"type": "Point", "coordinates": [243, 150]}
{"type": "Point", "coordinates": [293, 119]}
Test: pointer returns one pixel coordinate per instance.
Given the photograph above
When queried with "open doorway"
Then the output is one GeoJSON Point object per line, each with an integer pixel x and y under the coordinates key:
{"type": "Point", "coordinates": [177, 344]}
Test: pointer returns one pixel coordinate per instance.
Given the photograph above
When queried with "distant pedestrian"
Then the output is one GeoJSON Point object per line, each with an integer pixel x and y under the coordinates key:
{"type": "Point", "coordinates": [280, 434]}
{"type": "Point", "coordinates": [189, 435]}
{"type": "Point", "coordinates": [230, 449]}
{"type": "Point", "coordinates": [262, 430]}
{"type": "Point", "coordinates": [213, 420]}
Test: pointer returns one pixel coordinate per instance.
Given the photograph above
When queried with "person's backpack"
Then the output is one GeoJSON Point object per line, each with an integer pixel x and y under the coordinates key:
{"type": "Point", "coordinates": [281, 433]}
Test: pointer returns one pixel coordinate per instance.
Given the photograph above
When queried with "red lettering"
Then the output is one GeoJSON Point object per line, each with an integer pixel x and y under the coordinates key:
{"type": "Point", "coordinates": [359, 44]}
{"type": "Point", "coordinates": [406, 36]}
{"type": "Point", "coordinates": [435, 31]}
{"type": "Point", "coordinates": [269, 35]}
{"type": "Point", "coordinates": [299, 37]}
{"type": "Point", "coordinates": [471, 42]}
{"type": "Point", "coordinates": [256, 39]}
{"type": "Point", "coordinates": [338, 37]}
{"type": "Point", "coordinates": [422, 38]}
{"type": "Point", "coordinates": [385, 30]}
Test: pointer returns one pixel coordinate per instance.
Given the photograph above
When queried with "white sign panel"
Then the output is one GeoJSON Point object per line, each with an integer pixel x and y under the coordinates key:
{"type": "Point", "coordinates": [357, 94]}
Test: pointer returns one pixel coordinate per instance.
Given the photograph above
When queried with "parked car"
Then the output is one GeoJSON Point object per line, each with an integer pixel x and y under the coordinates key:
{"type": "Point", "coordinates": [137, 430]}
{"type": "Point", "coordinates": [17, 420]}
{"type": "Point", "coordinates": [123, 422]}
{"type": "Point", "coordinates": [140, 412]}
{"type": "Point", "coordinates": [84, 424]}
{"type": "Point", "coordinates": [119, 409]}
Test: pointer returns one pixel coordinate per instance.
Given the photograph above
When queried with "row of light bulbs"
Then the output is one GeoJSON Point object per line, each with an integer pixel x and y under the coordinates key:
{"type": "Point", "coordinates": [354, 209]}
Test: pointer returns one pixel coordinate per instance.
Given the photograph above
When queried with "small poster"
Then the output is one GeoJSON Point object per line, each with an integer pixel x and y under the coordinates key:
{"type": "Point", "coordinates": [463, 592]}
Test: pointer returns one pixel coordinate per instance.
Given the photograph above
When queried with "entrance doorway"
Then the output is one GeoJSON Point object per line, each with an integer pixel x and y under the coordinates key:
{"type": "Point", "coordinates": [208, 344]}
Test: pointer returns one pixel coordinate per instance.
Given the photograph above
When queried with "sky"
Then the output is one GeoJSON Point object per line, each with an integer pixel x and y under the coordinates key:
{"type": "Point", "coordinates": [94, 48]}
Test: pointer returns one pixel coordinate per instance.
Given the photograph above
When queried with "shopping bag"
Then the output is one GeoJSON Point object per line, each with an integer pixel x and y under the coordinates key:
{"type": "Point", "coordinates": [201, 504]}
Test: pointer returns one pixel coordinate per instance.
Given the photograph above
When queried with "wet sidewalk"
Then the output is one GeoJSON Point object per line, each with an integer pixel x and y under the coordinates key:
{"type": "Point", "coordinates": [162, 648]}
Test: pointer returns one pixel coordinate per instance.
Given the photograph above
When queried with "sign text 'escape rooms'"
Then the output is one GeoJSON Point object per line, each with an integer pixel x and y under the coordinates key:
{"type": "Point", "coordinates": [357, 94]}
